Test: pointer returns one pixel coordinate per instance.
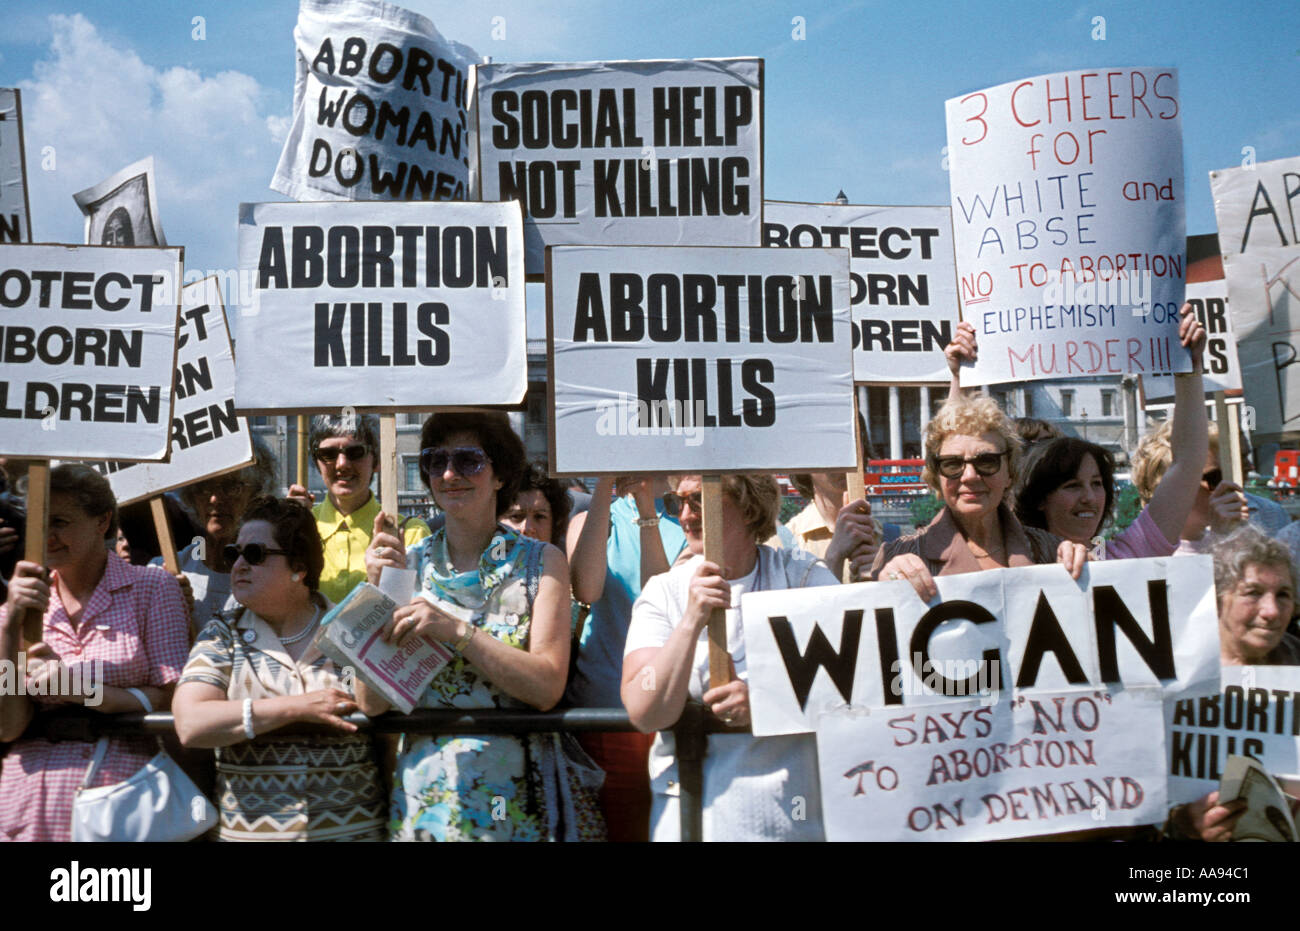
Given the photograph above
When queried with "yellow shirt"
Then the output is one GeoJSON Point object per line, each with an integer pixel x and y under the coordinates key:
{"type": "Point", "coordinates": [345, 540]}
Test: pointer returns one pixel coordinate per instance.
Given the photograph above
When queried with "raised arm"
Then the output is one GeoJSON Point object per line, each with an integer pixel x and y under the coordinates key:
{"type": "Point", "coordinates": [961, 349]}
{"type": "Point", "coordinates": [587, 537]}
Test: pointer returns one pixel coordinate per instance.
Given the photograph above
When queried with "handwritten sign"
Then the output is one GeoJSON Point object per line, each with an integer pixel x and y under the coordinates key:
{"type": "Point", "coordinates": [1222, 370]}
{"type": "Point", "coordinates": [1068, 218]}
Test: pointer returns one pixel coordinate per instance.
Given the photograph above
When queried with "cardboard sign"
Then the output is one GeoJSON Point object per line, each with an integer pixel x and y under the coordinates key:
{"type": "Point", "coordinates": [1259, 232]}
{"type": "Point", "coordinates": [87, 351]}
{"type": "Point", "coordinates": [1068, 217]}
{"type": "Point", "coordinates": [1002, 633]}
{"type": "Point", "coordinates": [207, 437]}
{"type": "Point", "coordinates": [904, 284]}
{"type": "Point", "coordinates": [1222, 370]}
{"type": "Point", "coordinates": [380, 107]}
{"type": "Point", "coordinates": [383, 306]}
{"type": "Point", "coordinates": [626, 152]}
{"type": "Point", "coordinates": [972, 772]}
{"type": "Point", "coordinates": [122, 210]}
{"type": "Point", "coordinates": [15, 212]}
{"type": "Point", "coordinates": [699, 360]}
{"type": "Point", "coordinates": [1257, 714]}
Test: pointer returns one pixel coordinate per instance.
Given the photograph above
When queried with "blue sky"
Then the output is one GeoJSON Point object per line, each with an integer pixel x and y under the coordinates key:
{"type": "Point", "coordinates": [856, 105]}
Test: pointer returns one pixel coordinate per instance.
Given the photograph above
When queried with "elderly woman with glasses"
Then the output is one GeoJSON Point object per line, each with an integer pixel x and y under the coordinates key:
{"type": "Point", "coordinates": [749, 782]}
{"type": "Point", "coordinates": [972, 456]}
{"type": "Point", "coordinates": [357, 537]}
{"type": "Point", "coordinates": [500, 602]}
{"type": "Point", "coordinates": [256, 670]}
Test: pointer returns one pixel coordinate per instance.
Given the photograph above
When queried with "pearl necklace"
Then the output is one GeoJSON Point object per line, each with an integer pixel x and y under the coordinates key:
{"type": "Point", "coordinates": [311, 625]}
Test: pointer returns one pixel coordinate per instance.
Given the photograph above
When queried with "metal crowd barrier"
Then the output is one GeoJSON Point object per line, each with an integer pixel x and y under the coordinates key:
{"type": "Point", "coordinates": [690, 732]}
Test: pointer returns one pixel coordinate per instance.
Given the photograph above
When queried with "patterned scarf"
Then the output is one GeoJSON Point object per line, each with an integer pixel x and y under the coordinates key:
{"type": "Point", "coordinates": [473, 589]}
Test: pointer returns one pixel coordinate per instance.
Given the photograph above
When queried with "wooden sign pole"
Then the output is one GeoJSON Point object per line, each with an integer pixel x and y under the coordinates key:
{"type": "Point", "coordinates": [164, 530]}
{"type": "Point", "coordinates": [38, 527]}
{"type": "Point", "coordinates": [715, 552]}
{"type": "Point", "coordinates": [388, 464]}
{"type": "Point", "coordinates": [857, 487]}
{"type": "Point", "coordinates": [1229, 438]}
{"type": "Point", "coordinates": [303, 463]}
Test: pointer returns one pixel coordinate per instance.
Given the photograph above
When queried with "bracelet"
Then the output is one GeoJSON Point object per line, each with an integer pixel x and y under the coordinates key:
{"type": "Point", "coordinates": [248, 719]}
{"type": "Point", "coordinates": [644, 522]}
{"type": "Point", "coordinates": [463, 642]}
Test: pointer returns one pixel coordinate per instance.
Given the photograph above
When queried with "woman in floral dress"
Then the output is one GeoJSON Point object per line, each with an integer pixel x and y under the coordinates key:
{"type": "Point", "coordinates": [512, 652]}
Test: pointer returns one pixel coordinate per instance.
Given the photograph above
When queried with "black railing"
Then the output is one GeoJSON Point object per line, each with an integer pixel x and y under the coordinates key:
{"type": "Point", "coordinates": [690, 732]}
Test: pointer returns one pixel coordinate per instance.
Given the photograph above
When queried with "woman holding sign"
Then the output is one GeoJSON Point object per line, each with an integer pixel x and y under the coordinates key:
{"type": "Point", "coordinates": [114, 638]}
{"type": "Point", "coordinates": [750, 783]}
{"type": "Point", "coordinates": [500, 601]}
{"type": "Point", "coordinates": [972, 458]}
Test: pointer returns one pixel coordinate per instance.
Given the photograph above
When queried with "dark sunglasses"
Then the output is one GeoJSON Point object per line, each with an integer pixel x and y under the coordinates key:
{"type": "Point", "coordinates": [673, 502]}
{"type": "Point", "coordinates": [254, 553]}
{"type": "Point", "coordinates": [954, 466]}
{"type": "Point", "coordinates": [464, 460]}
{"type": "Point", "coordinates": [1212, 478]}
{"type": "Point", "coordinates": [221, 486]}
{"type": "Point", "coordinates": [353, 452]}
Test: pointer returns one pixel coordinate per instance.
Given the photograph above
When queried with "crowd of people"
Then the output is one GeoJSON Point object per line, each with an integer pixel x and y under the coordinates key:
{"type": "Point", "coordinates": [551, 600]}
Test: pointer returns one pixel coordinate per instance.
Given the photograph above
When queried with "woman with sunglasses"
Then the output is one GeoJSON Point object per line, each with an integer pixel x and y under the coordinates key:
{"type": "Point", "coordinates": [505, 616]}
{"type": "Point", "coordinates": [1068, 487]}
{"type": "Point", "coordinates": [345, 450]}
{"type": "Point", "coordinates": [125, 626]}
{"type": "Point", "coordinates": [256, 670]}
{"type": "Point", "coordinates": [972, 458]}
{"type": "Point", "coordinates": [749, 782]}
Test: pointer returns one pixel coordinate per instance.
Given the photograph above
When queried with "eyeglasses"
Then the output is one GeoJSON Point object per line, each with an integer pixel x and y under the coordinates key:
{"type": "Point", "coordinates": [1212, 478]}
{"type": "Point", "coordinates": [221, 486]}
{"type": "Point", "coordinates": [353, 452]}
{"type": "Point", "coordinates": [464, 460]}
{"type": "Point", "coordinates": [673, 502]}
{"type": "Point", "coordinates": [254, 553]}
{"type": "Point", "coordinates": [954, 466]}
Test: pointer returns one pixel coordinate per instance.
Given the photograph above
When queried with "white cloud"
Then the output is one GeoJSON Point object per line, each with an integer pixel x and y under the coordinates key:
{"type": "Point", "coordinates": [101, 107]}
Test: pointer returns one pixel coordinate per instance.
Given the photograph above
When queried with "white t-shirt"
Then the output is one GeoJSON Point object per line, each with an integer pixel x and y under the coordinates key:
{"type": "Point", "coordinates": [755, 788]}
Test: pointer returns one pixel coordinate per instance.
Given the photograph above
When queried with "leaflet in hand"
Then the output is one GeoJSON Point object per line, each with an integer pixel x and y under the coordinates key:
{"type": "Point", "coordinates": [349, 635]}
{"type": "Point", "coordinates": [1268, 812]}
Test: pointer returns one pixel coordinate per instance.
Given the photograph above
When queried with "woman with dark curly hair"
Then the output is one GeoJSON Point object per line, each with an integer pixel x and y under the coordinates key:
{"type": "Point", "coordinates": [541, 510]}
{"type": "Point", "coordinates": [500, 601]}
{"type": "Point", "coordinates": [257, 669]}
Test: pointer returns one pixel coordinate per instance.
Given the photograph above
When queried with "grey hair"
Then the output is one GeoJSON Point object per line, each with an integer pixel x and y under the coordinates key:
{"type": "Point", "coordinates": [365, 427]}
{"type": "Point", "coordinates": [261, 476]}
{"type": "Point", "coordinates": [1245, 547]}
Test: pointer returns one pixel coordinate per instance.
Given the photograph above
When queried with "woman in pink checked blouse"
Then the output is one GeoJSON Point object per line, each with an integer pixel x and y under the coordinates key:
{"type": "Point", "coordinates": [126, 628]}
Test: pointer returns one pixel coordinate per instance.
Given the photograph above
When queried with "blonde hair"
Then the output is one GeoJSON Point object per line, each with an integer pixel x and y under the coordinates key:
{"type": "Point", "coordinates": [969, 416]}
{"type": "Point", "coordinates": [1155, 454]}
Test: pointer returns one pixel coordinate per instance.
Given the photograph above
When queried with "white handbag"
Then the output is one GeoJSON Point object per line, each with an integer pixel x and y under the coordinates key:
{"type": "Point", "coordinates": [158, 803]}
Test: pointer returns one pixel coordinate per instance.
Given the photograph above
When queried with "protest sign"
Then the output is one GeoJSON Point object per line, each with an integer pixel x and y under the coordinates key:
{"type": "Point", "coordinates": [122, 210]}
{"type": "Point", "coordinates": [625, 152]}
{"type": "Point", "coordinates": [87, 351]}
{"type": "Point", "coordinates": [1003, 632]}
{"type": "Point", "coordinates": [1068, 219]}
{"type": "Point", "coordinates": [698, 360]}
{"type": "Point", "coordinates": [380, 107]}
{"type": "Point", "coordinates": [1256, 714]}
{"type": "Point", "coordinates": [1256, 208]}
{"type": "Point", "coordinates": [1222, 370]}
{"type": "Point", "coordinates": [970, 772]}
{"type": "Point", "coordinates": [15, 212]}
{"type": "Point", "coordinates": [390, 306]}
{"type": "Point", "coordinates": [904, 284]}
{"type": "Point", "coordinates": [207, 437]}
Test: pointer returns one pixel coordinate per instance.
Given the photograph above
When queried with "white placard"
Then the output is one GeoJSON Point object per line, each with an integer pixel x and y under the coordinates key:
{"type": "Point", "coordinates": [122, 210]}
{"type": "Point", "coordinates": [1258, 212]}
{"type": "Point", "coordinates": [1256, 714]}
{"type": "Point", "coordinates": [904, 284]}
{"type": "Point", "coordinates": [699, 359]}
{"type": "Point", "coordinates": [1003, 632]}
{"type": "Point", "coordinates": [15, 213]}
{"type": "Point", "coordinates": [207, 437]}
{"type": "Point", "coordinates": [1222, 370]}
{"type": "Point", "coordinates": [391, 306]}
{"type": "Point", "coordinates": [1068, 218]}
{"type": "Point", "coordinates": [380, 107]}
{"type": "Point", "coordinates": [970, 772]}
{"type": "Point", "coordinates": [88, 351]}
{"type": "Point", "coordinates": [625, 152]}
